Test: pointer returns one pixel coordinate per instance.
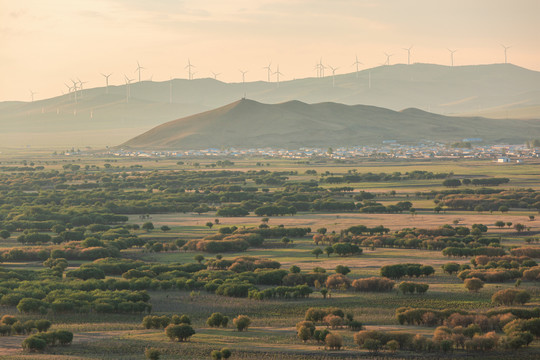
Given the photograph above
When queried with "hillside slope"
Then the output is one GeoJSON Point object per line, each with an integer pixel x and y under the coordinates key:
{"type": "Point", "coordinates": [250, 124]}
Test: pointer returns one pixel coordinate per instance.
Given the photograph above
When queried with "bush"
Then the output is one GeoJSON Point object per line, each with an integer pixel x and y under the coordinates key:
{"type": "Point", "coordinates": [216, 354]}
{"type": "Point", "coordinates": [43, 325]}
{"type": "Point", "coordinates": [510, 296]}
{"type": "Point", "coordinates": [242, 322]}
{"type": "Point", "coordinates": [29, 305]}
{"type": "Point", "coordinates": [34, 343]}
{"type": "Point", "coordinates": [152, 353]}
{"type": "Point", "coordinates": [411, 288]}
{"type": "Point", "coordinates": [179, 332]}
{"type": "Point", "coordinates": [226, 353]}
{"type": "Point", "coordinates": [217, 319]}
{"type": "Point", "coordinates": [373, 284]}
{"type": "Point", "coordinates": [63, 337]}
{"type": "Point", "coordinates": [473, 284]}
{"type": "Point", "coordinates": [333, 341]}
{"type": "Point", "coordinates": [338, 281]}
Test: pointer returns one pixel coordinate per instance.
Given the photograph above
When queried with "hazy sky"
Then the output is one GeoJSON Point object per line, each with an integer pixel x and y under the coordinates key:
{"type": "Point", "coordinates": [44, 43]}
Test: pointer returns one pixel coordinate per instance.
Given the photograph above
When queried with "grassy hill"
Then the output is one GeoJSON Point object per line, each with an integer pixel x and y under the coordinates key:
{"type": "Point", "coordinates": [97, 119]}
{"type": "Point", "coordinates": [293, 124]}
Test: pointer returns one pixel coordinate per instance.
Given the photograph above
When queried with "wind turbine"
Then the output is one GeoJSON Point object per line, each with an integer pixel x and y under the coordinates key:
{"type": "Point", "coordinates": [81, 83]}
{"type": "Point", "coordinates": [189, 66]}
{"type": "Point", "coordinates": [74, 89]}
{"type": "Point", "coordinates": [451, 56]}
{"type": "Point", "coordinates": [321, 67]}
{"type": "Point", "coordinates": [277, 72]}
{"type": "Point", "coordinates": [128, 91]}
{"type": "Point", "coordinates": [244, 72]}
{"type": "Point", "coordinates": [106, 82]}
{"type": "Point", "coordinates": [408, 50]}
{"type": "Point", "coordinates": [215, 75]}
{"type": "Point", "coordinates": [139, 68]}
{"type": "Point", "coordinates": [318, 68]}
{"type": "Point", "coordinates": [505, 48]}
{"type": "Point", "coordinates": [32, 93]}
{"type": "Point", "coordinates": [269, 70]}
{"type": "Point", "coordinates": [388, 56]}
{"type": "Point", "coordinates": [357, 63]}
{"type": "Point", "coordinates": [333, 75]}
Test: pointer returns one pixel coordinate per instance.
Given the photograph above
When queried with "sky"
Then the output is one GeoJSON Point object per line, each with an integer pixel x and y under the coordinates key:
{"type": "Point", "coordinates": [45, 44]}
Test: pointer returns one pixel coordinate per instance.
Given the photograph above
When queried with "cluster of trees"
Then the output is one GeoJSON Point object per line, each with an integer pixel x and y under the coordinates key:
{"type": "Point", "coordinates": [488, 200]}
{"type": "Point", "coordinates": [407, 287]}
{"type": "Point", "coordinates": [43, 340]}
{"type": "Point", "coordinates": [376, 284]}
{"type": "Point", "coordinates": [411, 270]}
{"type": "Point", "coordinates": [476, 182]}
{"type": "Point", "coordinates": [353, 177]}
{"type": "Point", "coordinates": [11, 325]}
{"type": "Point", "coordinates": [161, 322]}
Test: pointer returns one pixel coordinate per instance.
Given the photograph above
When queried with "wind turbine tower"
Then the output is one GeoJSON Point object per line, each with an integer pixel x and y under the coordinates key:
{"type": "Point", "coordinates": [32, 93]}
{"type": "Point", "coordinates": [321, 67]}
{"type": "Point", "coordinates": [357, 63]}
{"type": "Point", "coordinates": [81, 83]}
{"type": "Point", "coordinates": [408, 50]}
{"type": "Point", "coordinates": [139, 68]}
{"type": "Point", "coordinates": [189, 66]}
{"type": "Point", "coordinates": [74, 89]}
{"type": "Point", "coordinates": [505, 49]}
{"type": "Point", "coordinates": [452, 56]}
{"type": "Point", "coordinates": [333, 75]}
{"type": "Point", "coordinates": [106, 82]}
{"type": "Point", "coordinates": [388, 56]}
{"type": "Point", "coordinates": [278, 73]}
{"type": "Point", "coordinates": [215, 75]}
{"type": "Point", "coordinates": [128, 90]}
{"type": "Point", "coordinates": [269, 70]}
{"type": "Point", "coordinates": [244, 72]}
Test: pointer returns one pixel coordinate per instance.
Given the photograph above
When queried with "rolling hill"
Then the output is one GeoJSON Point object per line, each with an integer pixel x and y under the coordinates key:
{"type": "Point", "coordinates": [250, 124]}
{"type": "Point", "coordinates": [98, 118]}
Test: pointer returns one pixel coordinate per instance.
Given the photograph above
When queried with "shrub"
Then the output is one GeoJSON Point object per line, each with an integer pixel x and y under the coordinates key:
{"type": "Point", "coordinates": [63, 337]}
{"type": "Point", "coordinates": [333, 321]}
{"type": "Point", "coordinates": [242, 322]}
{"type": "Point", "coordinates": [34, 343]}
{"type": "Point", "coordinates": [217, 319]}
{"type": "Point", "coordinates": [179, 332]}
{"type": "Point", "coordinates": [226, 353]}
{"type": "Point", "coordinates": [152, 353]}
{"type": "Point", "coordinates": [216, 354]}
{"type": "Point", "coordinates": [333, 341]}
{"type": "Point", "coordinates": [43, 325]}
{"type": "Point", "coordinates": [473, 284]}
{"type": "Point", "coordinates": [304, 333]}
{"type": "Point", "coordinates": [338, 281]}
{"type": "Point", "coordinates": [510, 296]}
{"type": "Point", "coordinates": [29, 305]}
{"type": "Point", "coordinates": [373, 284]}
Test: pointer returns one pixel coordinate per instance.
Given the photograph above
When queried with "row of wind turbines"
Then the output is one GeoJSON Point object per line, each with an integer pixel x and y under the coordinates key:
{"type": "Point", "coordinates": [319, 67]}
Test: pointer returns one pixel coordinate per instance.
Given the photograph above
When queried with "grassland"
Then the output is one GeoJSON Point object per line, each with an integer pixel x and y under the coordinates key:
{"type": "Point", "coordinates": [272, 334]}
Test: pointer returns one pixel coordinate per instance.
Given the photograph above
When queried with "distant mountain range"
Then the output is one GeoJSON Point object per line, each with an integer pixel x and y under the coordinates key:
{"type": "Point", "coordinates": [294, 124]}
{"type": "Point", "coordinates": [97, 119]}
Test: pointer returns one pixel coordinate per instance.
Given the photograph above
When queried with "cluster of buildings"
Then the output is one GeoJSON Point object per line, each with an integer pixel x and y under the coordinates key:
{"type": "Point", "coordinates": [387, 150]}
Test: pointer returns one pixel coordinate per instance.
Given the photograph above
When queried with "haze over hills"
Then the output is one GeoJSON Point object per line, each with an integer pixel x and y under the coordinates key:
{"type": "Point", "coordinates": [98, 119]}
{"type": "Point", "coordinates": [294, 124]}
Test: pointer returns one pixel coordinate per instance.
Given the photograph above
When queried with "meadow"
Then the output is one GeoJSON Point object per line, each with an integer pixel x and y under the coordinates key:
{"type": "Point", "coordinates": [56, 195]}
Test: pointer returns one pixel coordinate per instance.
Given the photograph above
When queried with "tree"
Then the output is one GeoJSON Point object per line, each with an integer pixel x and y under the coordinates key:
{"type": "Point", "coordinates": [321, 231]}
{"type": "Point", "coordinates": [304, 333]}
{"type": "Point", "coordinates": [473, 284]}
{"type": "Point", "coordinates": [329, 250]}
{"type": "Point", "coordinates": [148, 226]}
{"type": "Point", "coordinates": [4, 234]}
{"type": "Point", "coordinates": [180, 332]}
{"type": "Point", "coordinates": [452, 183]}
{"type": "Point", "coordinates": [333, 341]}
{"type": "Point", "coordinates": [242, 322]}
{"type": "Point", "coordinates": [165, 228]}
{"type": "Point", "coordinates": [503, 209]}
{"type": "Point", "coordinates": [317, 251]}
{"type": "Point", "coordinates": [479, 208]}
{"type": "Point", "coordinates": [216, 355]}
{"type": "Point", "coordinates": [451, 268]}
{"type": "Point", "coordinates": [499, 224]}
{"type": "Point", "coordinates": [341, 269]}
{"type": "Point", "coordinates": [209, 224]}
{"type": "Point", "coordinates": [519, 227]}
{"type": "Point", "coordinates": [294, 269]}
{"type": "Point", "coordinates": [64, 337]}
{"type": "Point", "coordinates": [198, 258]}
